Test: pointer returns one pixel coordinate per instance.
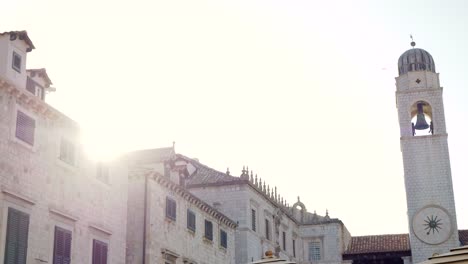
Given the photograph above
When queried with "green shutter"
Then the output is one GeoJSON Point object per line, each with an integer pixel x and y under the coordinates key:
{"type": "Point", "coordinates": [16, 248]}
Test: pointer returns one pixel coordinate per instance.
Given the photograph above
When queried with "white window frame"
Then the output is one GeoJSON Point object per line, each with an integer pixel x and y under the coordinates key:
{"type": "Point", "coordinates": [13, 66]}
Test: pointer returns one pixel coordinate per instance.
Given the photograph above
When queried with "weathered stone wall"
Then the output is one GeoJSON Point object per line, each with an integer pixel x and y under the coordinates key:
{"type": "Point", "coordinates": [164, 234]}
{"type": "Point", "coordinates": [332, 237]}
{"type": "Point", "coordinates": [54, 193]}
{"type": "Point", "coordinates": [237, 201]}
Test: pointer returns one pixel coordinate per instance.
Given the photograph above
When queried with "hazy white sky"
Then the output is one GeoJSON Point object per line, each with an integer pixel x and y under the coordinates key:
{"type": "Point", "coordinates": [303, 92]}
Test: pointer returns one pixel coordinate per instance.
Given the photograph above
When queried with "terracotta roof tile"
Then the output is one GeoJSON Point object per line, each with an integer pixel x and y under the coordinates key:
{"type": "Point", "coordinates": [206, 175]}
{"type": "Point", "coordinates": [379, 243]}
{"type": "Point", "coordinates": [22, 35]}
{"type": "Point", "coordinates": [42, 73]}
{"type": "Point", "coordinates": [387, 243]}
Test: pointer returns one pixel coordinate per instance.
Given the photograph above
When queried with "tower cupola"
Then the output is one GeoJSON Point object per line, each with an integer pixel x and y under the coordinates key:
{"type": "Point", "coordinates": [415, 60]}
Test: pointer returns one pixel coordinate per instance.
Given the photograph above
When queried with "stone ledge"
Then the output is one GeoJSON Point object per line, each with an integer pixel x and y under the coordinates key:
{"type": "Point", "coordinates": [63, 214]}
{"type": "Point", "coordinates": [100, 229]}
{"type": "Point", "coordinates": [18, 196]}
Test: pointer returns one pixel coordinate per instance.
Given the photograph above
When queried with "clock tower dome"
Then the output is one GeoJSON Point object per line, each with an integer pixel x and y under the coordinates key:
{"type": "Point", "coordinates": [426, 162]}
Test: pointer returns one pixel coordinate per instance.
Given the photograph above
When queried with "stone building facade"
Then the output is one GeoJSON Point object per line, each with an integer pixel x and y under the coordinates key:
{"type": "Point", "coordinates": [168, 224]}
{"type": "Point", "coordinates": [156, 206]}
{"type": "Point", "coordinates": [264, 220]}
{"type": "Point", "coordinates": [56, 206]}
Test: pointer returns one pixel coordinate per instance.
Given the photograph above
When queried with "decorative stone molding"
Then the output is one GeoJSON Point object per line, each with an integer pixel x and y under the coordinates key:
{"type": "Point", "coordinates": [100, 229]}
{"type": "Point", "coordinates": [63, 214]}
{"type": "Point", "coordinates": [18, 196]}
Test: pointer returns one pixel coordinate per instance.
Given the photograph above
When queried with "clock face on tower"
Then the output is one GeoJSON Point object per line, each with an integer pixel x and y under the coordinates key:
{"type": "Point", "coordinates": [432, 225]}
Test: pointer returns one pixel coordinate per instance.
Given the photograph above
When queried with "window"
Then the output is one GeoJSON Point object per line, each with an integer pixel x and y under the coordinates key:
{"type": "Point", "coordinates": [102, 172]}
{"type": "Point", "coordinates": [208, 230]}
{"type": "Point", "coordinates": [67, 151]}
{"type": "Point", "coordinates": [223, 238]}
{"type": "Point", "coordinates": [99, 252]}
{"type": "Point", "coordinates": [284, 240]}
{"type": "Point", "coordinates": [25, 126]}
{"type": "Point", "coordinates": [31, 86]}
{"type": "Point", "coordinates": [294, 248]}
{"type": "Point", "coordinates": [191, 224]}
{"type": "Point", "coordinates": [62, 246]}
{"type": "Point", "coordinates": [171, 207]}
{"type": "Point", "coordinates": [254, 220]}
{"type": "Point", "coordinates": [35, 88]}
{"type": "Point", "coordinates": [16, 64]}
{"type": "Point", "coordinates": [267, 229]}
{"type": "Point", "coordinates": [315, 248]}
{"type": "Point", "coordinates": [16, 245]}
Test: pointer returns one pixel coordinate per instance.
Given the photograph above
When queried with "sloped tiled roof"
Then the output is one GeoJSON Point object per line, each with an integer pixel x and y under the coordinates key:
{"type": "Point", "coordinates": [388, 243]}
{"type": "Point", "coordinates": [22, 35]}
{"type": "Point", "coordinates": [41, 73]}
{"type": "Point", "coordinates": [378, 243]}
{"type": "Point", "coordinates": [205, 175]}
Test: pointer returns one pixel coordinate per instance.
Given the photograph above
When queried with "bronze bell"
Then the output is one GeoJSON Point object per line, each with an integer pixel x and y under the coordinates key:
{"type": "Point", "coordinates": [421, 123]}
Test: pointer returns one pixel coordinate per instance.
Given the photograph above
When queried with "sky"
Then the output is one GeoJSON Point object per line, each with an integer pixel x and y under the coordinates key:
{"type": "Point", "coordinates": [302, 92]}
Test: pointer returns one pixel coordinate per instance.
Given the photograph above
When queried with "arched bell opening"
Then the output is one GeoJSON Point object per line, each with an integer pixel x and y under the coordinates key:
{"type": "Point", "coordinates": [421, 119]}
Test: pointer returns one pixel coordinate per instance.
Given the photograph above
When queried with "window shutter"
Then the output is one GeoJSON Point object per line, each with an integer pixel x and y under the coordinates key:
{"type": "Point", "coordinates": [104, 254]}
{"type": "Point", "coordinates": [58, 246]}
{"type": "Point", "coordinates": [12, 237]}
{"type": "Point", "coordinates": [168, 207]}
{"type": "Point", "coordinates": [62, 246]}
{"type": "Point", "coordinates": [191, 222]}
{"type": "Point", "coordinates": [223, 238]}
{"type": "Point", "coordinates": [25, 126]}
{"type": "Point", "coordinates": [171, 208]}
{"type": "Point", "coordinates": [96, 252]}
{"type": "Point", "coordinates": [17, 237]}
{"type": "Point", "coordinates": [254, 220]}
{"type": "Point", "coordinates": [208, 230]}
{"type": "Point", "coordinates": [99, 252]}
{"type": "Point", "coordinates": [67, 251]}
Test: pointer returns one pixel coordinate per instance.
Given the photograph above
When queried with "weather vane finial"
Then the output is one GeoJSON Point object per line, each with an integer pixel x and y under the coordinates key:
{"type": "Point", "coordinates": [412, 41]}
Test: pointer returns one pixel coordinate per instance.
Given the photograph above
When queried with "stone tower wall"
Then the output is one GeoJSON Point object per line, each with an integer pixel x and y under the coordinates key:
{"type": "Point", "coordinates": [426, 159]}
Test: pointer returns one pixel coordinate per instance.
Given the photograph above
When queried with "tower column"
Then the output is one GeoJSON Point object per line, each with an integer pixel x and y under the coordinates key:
{"type": "Point", "coordinates": [426, 161]}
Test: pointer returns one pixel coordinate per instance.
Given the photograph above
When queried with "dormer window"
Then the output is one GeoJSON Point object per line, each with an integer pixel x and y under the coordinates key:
{"type": "Point", "coordinates": [34, 88]}
{"type": "Point", "coordinates": [16, 65]}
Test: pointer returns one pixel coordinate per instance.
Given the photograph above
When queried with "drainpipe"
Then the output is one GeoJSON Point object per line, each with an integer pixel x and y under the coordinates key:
{"type": "Point", "coordinates": [144, 218]}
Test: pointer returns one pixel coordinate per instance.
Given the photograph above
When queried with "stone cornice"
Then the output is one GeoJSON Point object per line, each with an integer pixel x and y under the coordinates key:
{"type": "Point", "coordinates": [31, 102]}
{"type": "Point", "coordinates": [18, 196]}
{"type": "Point", "coordinates": [63, 214]}
{"type": "Point", "coordinates": [423, 137]}
{"type": "Point", "coordinates": [239, 181]}
{"type": "Point", "coordinates": [167, 183]}
{"type": "Point", "coordinates": [100, 229]}
{"type": "Point", "coordinates": [419, 90]}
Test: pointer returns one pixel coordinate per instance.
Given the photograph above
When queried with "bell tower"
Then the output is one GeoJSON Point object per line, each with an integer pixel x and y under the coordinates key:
{"type": "Point", "coordinates": [426, 162]}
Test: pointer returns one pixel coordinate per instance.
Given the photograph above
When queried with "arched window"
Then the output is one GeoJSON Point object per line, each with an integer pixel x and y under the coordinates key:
{"type": "Point", "coordinates": [421, 119]}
